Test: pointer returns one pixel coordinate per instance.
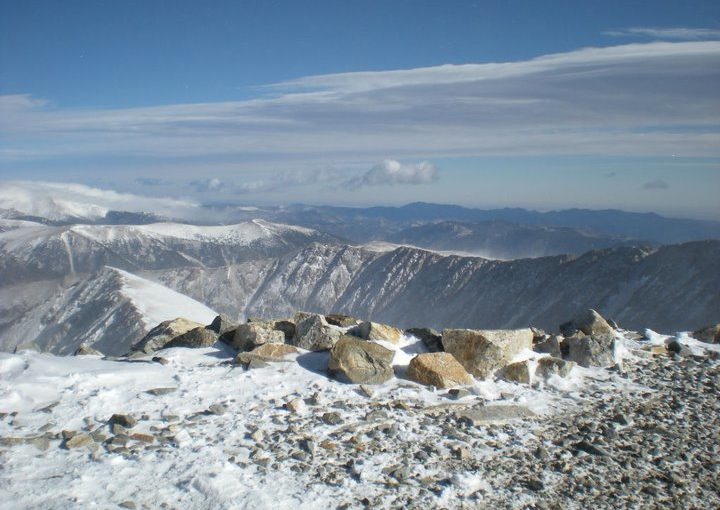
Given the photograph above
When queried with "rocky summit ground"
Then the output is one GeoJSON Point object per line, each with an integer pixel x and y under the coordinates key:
{"type": "Point", "coordinates": [188, 428]}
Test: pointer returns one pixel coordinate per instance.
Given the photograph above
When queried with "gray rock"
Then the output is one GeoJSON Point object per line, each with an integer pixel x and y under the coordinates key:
{"type": "Point", "coordinates": [315, 334]}
{"type": "Point", "coordinates": [482, 352]}
{"type": "Point", "coordinates": [254, 334]}
{"type": "Point", "coordinates": [123, 419]}
{"type": "Point", "coordinates": [589, 322]}
{"type": "Point", "coordinates": [591, 351]}
{"type": "Point", "coordinates": [709, 334]}
{"type": "Point", "coordinates": [343, 321]}
{"type": "Point", "coordinates": [517, 372]}
{"type": "Point", "coordinates": [550, 345]}
{"type": "Point", "coordinates": [430, 338]}
{"type": "Point", "coordinates": [494, 414]}
{"type": "Point", "coordinates": [376, 331]}
{"type": "Point", "coordinates": [547, 367]}
{"type": "Point", "coordinates": [195, 338]}
{"type": "Point", "coordinates": [360, 362]}
{"type": "Point", "coordinates": [222, 324]}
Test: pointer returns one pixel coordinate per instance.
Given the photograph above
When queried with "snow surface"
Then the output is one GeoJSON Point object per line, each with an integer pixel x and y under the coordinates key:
{"type": "Point", "coordinates": [157, 303]}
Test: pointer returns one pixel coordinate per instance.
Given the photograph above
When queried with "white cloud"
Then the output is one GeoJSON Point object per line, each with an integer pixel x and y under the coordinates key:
{"type": "Point", "coordinates": [391, 172]}
{"type": "Point", "coordinates": [637, 99]}
{"type": "Point", "coordinates": [676, 33]}
{"type": "Point", "coordinates": [205, 185]}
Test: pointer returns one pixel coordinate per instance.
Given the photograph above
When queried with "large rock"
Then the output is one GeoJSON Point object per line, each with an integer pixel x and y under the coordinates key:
{"type": "Point", "coordinates": [547, 367]}
{"type": "Point", "coordinates": [551, 345]}
{"type": "Point", "coordinates": [315, 334]}
{"type": "Point", "coordinates": [482, 352]}
{"type": "Point", "coordinates": [164, 333]}
{"type": "Point", "coordinates": [224, 327]}
{"type": "Point", "coordinates": [196, 337]}
{"type": "Point", "coordinates": [591, 351]}
{"type": "Point", "coordinates": [517, 372]}
{"type": "Point", "coordinates": [253, 334]}
{"type": "Point", "coordinates": [360, 362]}
{"type": "Point", "coordinates": [710, 334]}
{"type": "Point", "coordinates": [265, 353]}
{"type": "Point", "coordinates": [439, 369]}
{"type": "Point", "coordinates": [431, 338]}
{"type": "Point", "coordinates": [375, 331]}
{"type": "Point", "coordinates": [343, 321]}
{"type": "Point", "coordinates": [589, 322]}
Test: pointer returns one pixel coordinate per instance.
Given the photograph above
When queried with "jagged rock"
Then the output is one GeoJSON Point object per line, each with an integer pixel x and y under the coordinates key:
{"type": "Point", "coordinates": [589, 322]}
{"type": "Point", "coordinates": [253, 334]}
{"type": "Point", "coordinates": [375, 331]}
{"type": "Point", "coordinates": [343, 321]}
{"type": "Point", "coordinates": [517, 372]}
{"type": "Point", "coordinates": [224, 327]}
{"type": "Point", "coordinates": [196, 337]}
{"type": "Point", "coordinates": [164, 333]}
{"type": "Point", "coordinates": [591, 351]}
{"type": "Point", "coordinates": [315, 334]}
{"type": "Point", "coordinates": [360, 362]}
{"type": "Point", "coordinates": [547, 367]}
{"type": "Point", "coordinates": [287, 327]}
{"type": "Point", "coordinates": [709, 334]}
{"type": "Point", "coordinates": [125, 420]}
{"type": "Point", "coordinates": [482, 352]}
{"type": "Point", "coordinates": [682, 350]}
{"type": "Point", "coordinates": [265, 353]}
{"type": "Point", "coordinates": [431, 338]}
{"type": "Point", "coordinates": [86, 350]}
{"type": "Point", "coordinates": [550, 345]}
{"type": "Point", "coordinates": [439, 369]}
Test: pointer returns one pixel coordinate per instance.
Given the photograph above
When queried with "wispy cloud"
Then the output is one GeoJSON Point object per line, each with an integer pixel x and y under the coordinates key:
{"type": "Point", "coordinates": [656, 184]}
{"type": "Point", "coordinates": [209, 184]}
{"type": "Point", "coordinates": [637, 99]}
{"type": "Point", "coordinates": [391, 172]}
{"type": "Point", "coordinates": [674, 33]}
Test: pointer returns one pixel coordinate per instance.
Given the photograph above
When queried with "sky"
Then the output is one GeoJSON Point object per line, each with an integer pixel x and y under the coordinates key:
{"type": "Point", "coordinates": [538, 104]}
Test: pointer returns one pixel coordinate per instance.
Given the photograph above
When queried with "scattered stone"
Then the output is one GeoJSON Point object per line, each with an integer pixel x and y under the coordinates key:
{"type": "Point", "coordinates": [315, 334]}
{"type": "Point", "coordinates": [195, 338]}
{"type": "Point", "coordinates": [591, 351]}
{"type": "Point", "coordinates": [164, 333]}
{"type": "Point", "coordinates": [128, 504]}
{"type": "Point", "coordinates": [482, 352]}
{"type": "Point", "coordinates": [439, 369]}
{"type": "Point", "coordinates": [375, 331]}
{"type": "Point", "coordinates": [217, 409]}
{"type": "Point", "coordinates": [517, 372]}
{"type": "Point", "coordinates": [592, 449]}
{"type": "Point", "coordinates": [161, 360]}
{"type": "Point", "coordinates": [78, 440]}
{"type": "Point", "coordinates": [86, 350]}
{"type": "Point", "coordinates": [332, 418]}
{"type": "Point", "coordinates": [118, 429]}
{"type": "Point", "coordinates": [160, 391]}
{"type": "Point", "coordinates": [547, 367]}
{"type": "Point", "coordinates": [431, 338]}
{"type": "Point", "coordinates": [709, 334]}
{"type": "Point", "coordinates": [589, 322]}
{"type": "Point", "coordinates": [125, 420]}
{"type": "Point", "coordinates": [458, 393]}
{"type": "Point", "coordinates": [143, 438]}
{"type": "Point", "coordinates": [360, 362]}
{"type": "Point", "coordinates": [296, 405]}
{"type": "Point", "coordinates": [494, 414]}
{"type": "Point", "coordinates": [367, 390]}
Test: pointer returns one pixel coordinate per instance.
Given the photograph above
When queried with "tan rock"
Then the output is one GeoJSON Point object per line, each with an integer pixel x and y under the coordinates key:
{"type": "Point", "coordinates": [314, 333]}
{"type": "Point", "coordinates": [482, 352]}
{"type": "Point", "coordinates": [376, 331]}
{"type": "Point", "coordinates": [517, 372]}
{"type": "Point", "coordinates": [360, 362]}
{"type": "Point", "coordinates": [253, 334]}
{"type": "Point", "coordinates": [164, 333]}
{"type": "Point", "coordinates": [439, 369]}
{"type": "Point", "coordinates": [266, 353]}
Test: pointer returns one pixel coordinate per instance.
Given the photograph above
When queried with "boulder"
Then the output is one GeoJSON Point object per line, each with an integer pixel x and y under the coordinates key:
{"type": "Point", "coordinates": [196, 337]}
{"type": "Point", "coordinates": [550, 366]}
{"type": "Point", "coordinates": [287, 327]}
{"type": "Point", "coordinates": [550, 345]}
{"type": "Point", "coordinates": [224, 327]}
{"type": "Point", "coordinates": [265, 353]}
{"type": "Point", "coordinates": [431, 338]}
{"type": "Point", "coordinates": [315, 334]}
{"type": "Point", "coordinates": [482, 352]}
{"type": "Point", "coordinates": [343, 321]}
{"type": "Point", "coordinates": [86, 350]}
{"type": "Point", "coordinates": [375, 331]}
{"type": "Point", "coordinates": [709, 334]}
{"type": "Point", "coordinates": [164, 333]}
{"type": "Point", "coordinates": [589, 322]}
{"type": "Point", "coordinates": [253, 334]}
{"type": "Point", "coordinates": [517, 372]}
{"type": "Point", "coordinates": [591, 351]}
{"type": "Point", "coordinates": [360, 362]}
{"type": "Point", "coordinates": [439, 369]}
{"type": "Point", "coordinates": [496, 414]}
{"type": "Point", "coordinates": [125, 420]}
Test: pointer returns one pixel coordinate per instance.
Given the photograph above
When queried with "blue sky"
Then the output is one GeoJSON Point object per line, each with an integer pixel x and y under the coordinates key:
{"type": "Point", "coordinates": [479, 103]}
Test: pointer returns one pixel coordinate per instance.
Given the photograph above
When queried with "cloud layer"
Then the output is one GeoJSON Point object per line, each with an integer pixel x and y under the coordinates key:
{"type": "Point", "coordinates": [676, 33]}
{"type": "Point", "coordinates": [637, 99]}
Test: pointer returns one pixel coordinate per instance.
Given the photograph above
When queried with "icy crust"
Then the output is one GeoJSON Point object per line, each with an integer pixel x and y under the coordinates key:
{"type": "Point", "coordinates": [157, 303]}
{"type": "Point", "coordinates": [210, 461]}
